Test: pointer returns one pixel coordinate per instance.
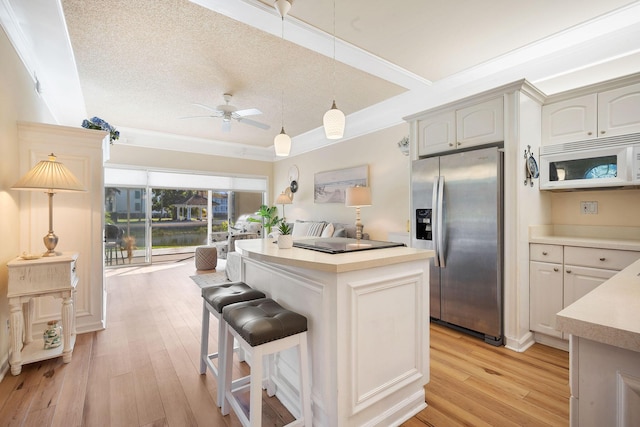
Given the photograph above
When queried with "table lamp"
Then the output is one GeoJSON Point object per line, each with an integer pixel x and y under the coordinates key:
{"type": "Point", "coordinates": [52, 177]}
{"type": "Point", "coordinates": [284, 199]}
{"type": "Point", "coordinates": [358, 197]}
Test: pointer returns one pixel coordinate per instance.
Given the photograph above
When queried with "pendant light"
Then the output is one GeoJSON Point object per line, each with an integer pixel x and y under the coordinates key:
{"type": "Point", "coordinates": [334, 120]}
{"type": "Point", "coordinates": [282, 141]}
{"type": "Point", "coordinates": [283, 7]}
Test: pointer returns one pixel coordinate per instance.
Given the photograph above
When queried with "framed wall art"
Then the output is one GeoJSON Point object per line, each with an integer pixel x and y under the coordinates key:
{"type": "Point", "coordinates": [330, 186]}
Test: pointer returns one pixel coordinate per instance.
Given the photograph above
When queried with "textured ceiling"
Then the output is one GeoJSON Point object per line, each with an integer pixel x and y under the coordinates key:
{"type": "Point", "coordinates": [143, 64]}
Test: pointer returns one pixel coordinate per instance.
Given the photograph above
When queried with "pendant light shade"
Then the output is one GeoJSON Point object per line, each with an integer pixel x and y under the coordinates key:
{"type": "Point", "coordinates": [283, 7]}
{"type": "Point", "coordinates": [282, 144]}
{"type": "Point", "coordinates": [334, 122]}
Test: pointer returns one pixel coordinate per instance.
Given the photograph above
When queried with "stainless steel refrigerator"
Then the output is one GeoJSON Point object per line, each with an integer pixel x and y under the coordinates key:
{"type": "Point", "coordinates": [457, 210]}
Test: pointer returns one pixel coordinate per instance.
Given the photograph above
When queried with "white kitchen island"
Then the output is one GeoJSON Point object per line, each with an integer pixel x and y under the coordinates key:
{"type": "Point", "coordinates": [368, 315]}
{"type": "Point", "coordinates": [605, 352]}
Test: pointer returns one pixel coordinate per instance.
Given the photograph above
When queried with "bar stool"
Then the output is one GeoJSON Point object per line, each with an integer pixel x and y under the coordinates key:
{"type": "Point", "coordinates": [263, 327]}
{"type": "Point", "coordinates": [214, 299]}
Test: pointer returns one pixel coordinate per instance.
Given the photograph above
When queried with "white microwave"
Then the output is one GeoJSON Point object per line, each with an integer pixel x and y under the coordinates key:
{"type": "Point", "coordinates": [590, 168]}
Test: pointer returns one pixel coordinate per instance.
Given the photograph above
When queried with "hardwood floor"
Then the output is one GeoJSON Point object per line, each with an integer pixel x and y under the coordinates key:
{"type": "Point", "coordinates": [143, 370]}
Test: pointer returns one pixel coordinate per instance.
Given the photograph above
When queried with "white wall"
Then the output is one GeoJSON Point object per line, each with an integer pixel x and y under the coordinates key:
{"type": "Point", "coordinates": [388, 179]}
{"type": "Point", "coordinates": [18, 102]}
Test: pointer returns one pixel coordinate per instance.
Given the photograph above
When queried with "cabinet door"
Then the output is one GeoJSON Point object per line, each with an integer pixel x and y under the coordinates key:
{"type": "Point", "coordinates": [619, 111]}
{"type": "Point", "coordinates": [571, 120]}
{"type": "Point", "coordinates": [437, 134]}
{"type": "Point", "coordinates": [545, 297]}
{"type": "Point", "coordinates": [603, 259]}
{"type": "Point", "coordinates": [480, 124]}
{"type": "Point", "coordinates": [579, 281]}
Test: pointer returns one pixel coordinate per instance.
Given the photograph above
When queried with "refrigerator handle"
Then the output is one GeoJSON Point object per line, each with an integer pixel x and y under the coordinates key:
{"type": "Point", "coordinates": [440, 226]}
{"type": "Point", "coordinates": [434, 219]}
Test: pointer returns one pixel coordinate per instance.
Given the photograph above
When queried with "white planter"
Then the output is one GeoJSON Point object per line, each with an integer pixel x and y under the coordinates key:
{"type": "Point", "coordinates": [285, 241]}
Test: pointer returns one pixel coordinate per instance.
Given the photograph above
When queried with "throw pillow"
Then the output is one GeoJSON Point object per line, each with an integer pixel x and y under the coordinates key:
{"type": "Point", "coordinates": [315, 229]}
{"type": "Point", "coordinates": [340, 232]}
{"type": "Point", "coordinates": [328, 231]}
{"type": "Point", "coordinates": [300, 229]}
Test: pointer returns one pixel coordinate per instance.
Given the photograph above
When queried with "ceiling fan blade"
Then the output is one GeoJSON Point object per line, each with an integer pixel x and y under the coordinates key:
{"type": "Point", "coordinates": [226, 126]}
{"type": "Point", "coordinates": [253, 123]}
{"type": "Point", "coordinates": [247, 112]}
{"type": "Point", "coordinates": [206, 107]}
{"type": "Point", "coordinates": [199, 117]}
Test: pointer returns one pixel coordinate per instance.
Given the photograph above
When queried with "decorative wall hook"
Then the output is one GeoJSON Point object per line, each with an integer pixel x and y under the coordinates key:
{"type": "Point", "coordinates": [531, 167]}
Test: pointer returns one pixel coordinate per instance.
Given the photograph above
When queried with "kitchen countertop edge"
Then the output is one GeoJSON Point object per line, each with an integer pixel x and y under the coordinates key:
{"type": "Point", "coordinates": [610, 314]}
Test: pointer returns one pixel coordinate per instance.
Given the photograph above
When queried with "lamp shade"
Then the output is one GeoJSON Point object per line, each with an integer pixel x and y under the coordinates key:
{"type": "Point", "coordinates": [49, 175]}
{"type": "Point", "coordinates": [282, 144]}
{"type": "Point", "coordinates": [358, 196]}
{"type": "Point", "coordinates": [334, 122]}
{"type": "Point", "coordinates": [283, 199]}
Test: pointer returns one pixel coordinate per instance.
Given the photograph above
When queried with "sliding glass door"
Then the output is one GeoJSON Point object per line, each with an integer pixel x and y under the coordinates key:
{"type": "Point", "coordinates": [126, 226]}
{"type": "Point", "coordinates": [171, 212]}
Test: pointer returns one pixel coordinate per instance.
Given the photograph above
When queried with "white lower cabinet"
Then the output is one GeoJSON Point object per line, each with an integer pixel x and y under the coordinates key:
{"type": "Point", "coordinates": [559, 275]}
{"type": "Point", "coordinates": [545, 297]}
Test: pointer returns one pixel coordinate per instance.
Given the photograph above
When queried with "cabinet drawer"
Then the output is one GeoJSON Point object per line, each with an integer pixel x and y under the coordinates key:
{"type": "Point", "coordinates": [545, 253]}
{"type": "Point", "coordinates": [609, 259]}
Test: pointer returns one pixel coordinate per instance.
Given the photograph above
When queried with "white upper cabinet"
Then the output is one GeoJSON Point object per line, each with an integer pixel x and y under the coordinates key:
{"type": "Point", "coordinates": [619, 111]}
{"type": "Point", "coordinates": [437, 133]}
{"type": "Point", "coordinates": [480, 124]}
{"type": "Point", "coordinates": [607, 113]}
{"type": "Point", "coordinates": [571, 120]}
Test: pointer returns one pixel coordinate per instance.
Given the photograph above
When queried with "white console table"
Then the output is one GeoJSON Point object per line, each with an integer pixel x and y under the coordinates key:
{"type": "Point", "coordinates": [29, 279]}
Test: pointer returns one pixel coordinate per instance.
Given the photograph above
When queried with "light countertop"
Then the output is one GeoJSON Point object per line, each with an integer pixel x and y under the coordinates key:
{"type": "Point", "coordinates": [610, 314]}
{"type": "Point", "coordinates": [621, 238]}
{"type": "Point", "coordinates": [267, 251]}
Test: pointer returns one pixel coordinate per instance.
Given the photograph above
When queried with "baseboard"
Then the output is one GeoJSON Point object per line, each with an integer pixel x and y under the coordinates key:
{"type": "Point", "coordinates": [550, 341]}
{"type": "Point", "coordinates": [520, 345]}
{"type": "Point", "coordinates": [401, 412]}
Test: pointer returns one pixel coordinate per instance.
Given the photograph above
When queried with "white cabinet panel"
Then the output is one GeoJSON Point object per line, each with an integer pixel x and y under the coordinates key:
{"type": "Point", "coordinates": [619, 111]}
{"type": "Point", "coordinates": [546, 253]}
{"type": "Point", "coordinates": [545, 297]}
{"type": "Point", "coordinates": [480, 124]}
{"type": "Point", "coordinates": [579, 281]}
{"type": "Point", "coordinates": [608, 259]}
{"type": "Point", "coordinates": [437, 133]}
{"type": "Point", "coordinates": [571, 120]}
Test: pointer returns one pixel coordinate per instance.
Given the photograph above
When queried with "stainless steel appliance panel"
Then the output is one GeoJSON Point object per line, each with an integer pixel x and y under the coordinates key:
{"type": "Point", "coordinates": [424, 175]}
{"type": "Point", "coordinates": [471, 285]}
{"type": "Point", "coordinates": [456, 210]}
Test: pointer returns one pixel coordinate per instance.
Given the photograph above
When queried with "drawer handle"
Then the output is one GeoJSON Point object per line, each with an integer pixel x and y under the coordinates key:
{"type": "Point", "coordinates": [555, 269]}
{"type": "Point", "coordinates": [451, 144]}
{"type": "Point", "coordinates": [544, 253]}
{"type": "Point", "coordinates": [602, 259]}
{"type": "Point", "coordinates": [568, 271]}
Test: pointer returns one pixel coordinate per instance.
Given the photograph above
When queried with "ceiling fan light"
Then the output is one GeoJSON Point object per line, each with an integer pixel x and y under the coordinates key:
{"type": "Point", "coordinates": [283, 7]}
{"type": "Point", "coordinates": [334, 122]}
{"type": "Point", "coordinates": [282, 144]}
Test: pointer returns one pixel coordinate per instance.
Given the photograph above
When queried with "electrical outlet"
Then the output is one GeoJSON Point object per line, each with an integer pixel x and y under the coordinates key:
{"type": "Point", "coordinates": [8, 325]}
{"type": "Point", "coordinates": [589, 208]}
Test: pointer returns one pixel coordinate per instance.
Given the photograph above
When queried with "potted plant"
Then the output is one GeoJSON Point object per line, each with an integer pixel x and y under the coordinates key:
{"type": "Point", "coordinates": [285, 240]}
{"type": "Point", "coordinates": [269, 216]}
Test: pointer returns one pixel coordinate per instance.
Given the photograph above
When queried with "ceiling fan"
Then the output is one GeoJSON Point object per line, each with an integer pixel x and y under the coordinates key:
{"type": "Point", "coordinates": [228, 112]}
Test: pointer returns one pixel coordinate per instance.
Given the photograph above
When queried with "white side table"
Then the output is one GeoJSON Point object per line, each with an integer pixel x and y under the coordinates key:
{"type": "Point", "coordinates": [28, 279]}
